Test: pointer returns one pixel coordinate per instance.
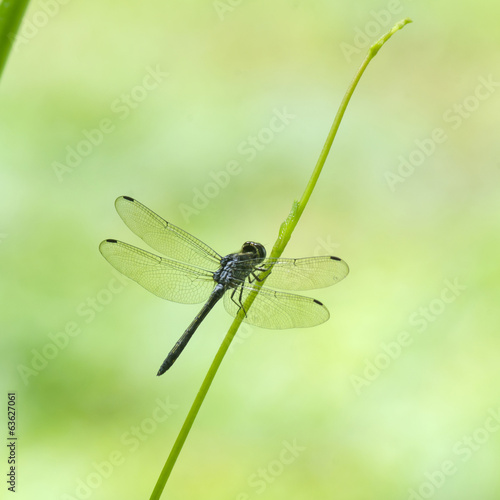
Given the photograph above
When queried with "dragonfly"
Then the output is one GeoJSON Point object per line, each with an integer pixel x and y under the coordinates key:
{"type": "Point", "coordinates": [191, 272]}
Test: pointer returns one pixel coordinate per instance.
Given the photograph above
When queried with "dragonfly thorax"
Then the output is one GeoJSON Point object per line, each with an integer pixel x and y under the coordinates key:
{"type": "Point", "coordinates": [236, 267]}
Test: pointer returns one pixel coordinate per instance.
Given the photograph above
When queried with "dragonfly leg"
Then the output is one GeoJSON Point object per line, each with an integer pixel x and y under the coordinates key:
{"type": "Point", "coordinates": [255, 277]}
{"type": "Point", "coordinates": [239, 302]}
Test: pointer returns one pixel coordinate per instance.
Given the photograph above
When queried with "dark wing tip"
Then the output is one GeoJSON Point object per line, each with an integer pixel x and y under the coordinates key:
{"type": "Point", "coordinates": [345, 265]}
{"type": "Point", "coordinates": [104, 249]}
{"type": "Point", "coordinates": [125, 198]}
{"type": "Point", "coordinates": [318, 302]}
{"type": "Point", "coordinates": [102, 245]}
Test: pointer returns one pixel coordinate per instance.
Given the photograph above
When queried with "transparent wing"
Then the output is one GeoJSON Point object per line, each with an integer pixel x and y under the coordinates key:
{"type": "Point", "coordinates": [166, 278]}
{"type": "Point", "coordinates": [303, 274]}
{"type": "Point", "coordinates": [277, 310]}
{"type": "Point", "coordinates": [164, 237]}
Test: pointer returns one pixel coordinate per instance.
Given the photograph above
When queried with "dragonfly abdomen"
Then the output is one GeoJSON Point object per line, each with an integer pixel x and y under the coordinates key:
{"type": "Point", "coordinates": [215, 296]}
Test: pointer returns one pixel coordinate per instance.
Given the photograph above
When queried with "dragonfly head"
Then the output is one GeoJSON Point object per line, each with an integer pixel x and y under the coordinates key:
{"type": "Point", "coordinates": [256, 249]}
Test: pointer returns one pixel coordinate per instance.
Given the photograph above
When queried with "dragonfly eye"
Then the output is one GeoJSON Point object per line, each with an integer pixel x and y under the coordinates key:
{"type": "Point", "coordinates": [255, 248]}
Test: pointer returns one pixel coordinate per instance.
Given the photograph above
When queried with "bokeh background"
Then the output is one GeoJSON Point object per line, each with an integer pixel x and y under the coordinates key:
{"type": "Point", "coordinates": [396, 396]}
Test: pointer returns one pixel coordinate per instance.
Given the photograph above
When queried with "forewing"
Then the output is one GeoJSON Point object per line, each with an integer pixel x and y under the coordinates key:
{"type": "Point", "coordinates": [166, 278]}
{"type": "Point", "coordinates": [277, 310]}
{"type": "Point", "coordinates": [164, 237]}
{"type": "Point", "coordinates": [304, 274]}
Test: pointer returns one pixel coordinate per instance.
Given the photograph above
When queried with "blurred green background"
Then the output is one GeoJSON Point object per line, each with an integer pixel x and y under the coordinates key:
{"type": "Point", "coordinates": [396, 396]}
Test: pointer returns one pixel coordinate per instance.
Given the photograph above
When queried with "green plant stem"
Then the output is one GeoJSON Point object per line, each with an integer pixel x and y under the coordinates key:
{"type": "Point", "coordinates": [11, 15]}
{"type": "Point", "coordinates": [298, 207]}
{"type": "Point", "coordinates": [284, 236]}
